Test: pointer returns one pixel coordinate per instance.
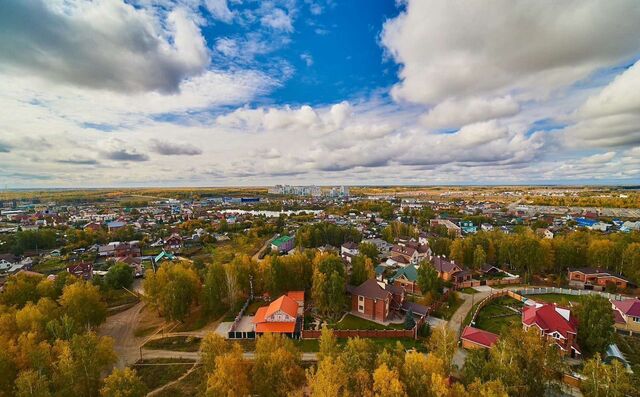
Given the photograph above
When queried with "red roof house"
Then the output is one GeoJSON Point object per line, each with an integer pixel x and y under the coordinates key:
{"type": "Point", "coordinates": [279, 317]}
{"type": "Point", "coordinates": [474, 338]}
{"type": "Point", "coordinates": [555, 323]}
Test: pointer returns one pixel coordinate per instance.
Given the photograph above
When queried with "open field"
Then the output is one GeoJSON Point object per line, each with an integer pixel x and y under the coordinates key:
{"type": "Point", "coordinates": [192, 385]}
{"type": "Point", "coordinates": [154, 375]}
{"type": "Point", "coordinates": [446, 310]}
{"type": "Point", "coordinates": [560, 299]}
{"type": "Point", "coordinates": [175, 343]}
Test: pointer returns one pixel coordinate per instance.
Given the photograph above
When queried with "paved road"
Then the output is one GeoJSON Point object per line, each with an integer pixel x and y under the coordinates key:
{"type": "Point", "coordinates": [149, 353]}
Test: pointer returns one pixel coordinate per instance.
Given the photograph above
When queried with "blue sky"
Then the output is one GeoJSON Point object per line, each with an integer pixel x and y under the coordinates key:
{"type": "Point", "coordinates": [231, 92]}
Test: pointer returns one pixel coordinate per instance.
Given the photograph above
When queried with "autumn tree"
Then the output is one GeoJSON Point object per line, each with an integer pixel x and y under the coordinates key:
{"type": "Point", "coordinates": [329, 379]}
{"type": "Point", "coordinates": [215, 296]}
{"type": "Point", "coordinates": [359, 355]}
{"type": "Point", "coordinates": [595, 324]}
{"type": "Point", "coordinates": [370, 251]}
{"type": "Point", "coordinates": [479, 257]}
{"type": "Point", "coordinates": [328, 344]}
{"type": "Point", "coordinates": [328, 285]}
{"type": "Point", "coordinates": [230, 377]}
{"type": "Point", "coordinates": [610, 380]}
{"type": "Point", "coordinates": [83, 303]}
{"type": "Point", "coordinates": [30, 383]}
{"type": "Point", "coordinates": [123, 383]}
{"type": "Point", "coordinates": [420, 371]}
{"type": "Point", "coordinates": [211, 347]}
{"type": "Point", "coordinates": [361, 270]}
{"type": "Point", "coordinates": [172, 290]}
{"type": "Point", "coordinates": [276, 368]}
{"type": "Point", "coordinates": [442, 344]}
{"type": "Point", "coordinates": [386, 383]}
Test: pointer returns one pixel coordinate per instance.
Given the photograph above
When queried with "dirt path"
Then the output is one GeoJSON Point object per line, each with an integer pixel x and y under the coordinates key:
{"type": "Point", "coordinates": [161, 388]}
{"type": "Point", "coordinates": [121, 327]}
{"type": "Point", "coordinates": [455, 323]}
{"type": "Point", "coordinates": [256, 256]}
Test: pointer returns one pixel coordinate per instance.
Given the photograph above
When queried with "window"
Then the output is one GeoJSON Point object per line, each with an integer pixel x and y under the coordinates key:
{"type": "Point", "coordinates": [360, 298]}
{"type": "Point", "coordinates": [636, 319]}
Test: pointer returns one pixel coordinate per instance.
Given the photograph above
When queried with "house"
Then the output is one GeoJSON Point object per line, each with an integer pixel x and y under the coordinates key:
{"type": "Point", "coordinates": [82, 270]}
{"type": "Point", "coordinates": [468, 227]}
{"type": "Point", "coordinates": [115, 225]}
{"type": "Point", "coordinates": [382, 246]}
{"type": "Point", "coordinates": [474, 338]}
{"type": "Point", "coordinates": [555, 323]}
{"type": "Point", "coordinates": [596, 279]}
{"type": "Point", "coordinates": [407, 277]}
{"type": "Point", "coordinates": [281, 317]}
{"type": "Point", "coordinates": [409, 253]}
{"type": "Point", "coordinates": [452, 228]}
{"type": "Point", "coordinates": [92, 226]}
{"type": "Point", "coordinates": [627, 315]}
{"type": "Point", "coordinates": [164, 256]}
{"type": "Point", "coordinates": [544, 233]}
{"type": "Point", "coordinates": [297, 296]}
{"type": "Point", "coordinates": [283, 244]}
{"type": "Point", "coordinates": [348, 250]}
{"type": "Point", "coordinates": [375, 300]}
{"type": "Point", "coordinates": [173, 242]}
{"type": "Point", "coordinates": [449, 271]}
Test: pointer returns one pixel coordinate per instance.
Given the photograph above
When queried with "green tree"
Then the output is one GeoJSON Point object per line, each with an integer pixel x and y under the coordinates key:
{"type": "Point", "coordinates": [119, 276]}
{"type": "Point", "coordinates": [409, 322]}
{"type": "Point", "coordinates": [215, 296]}
{"type": "Point", "coordinates": [428, 279]}
{"type": "Point", "coordinates": [370, 251]}
{"type": "Point", "coordinates": [361, 269]}
{"type": "Point", "coordinates": [123, 383]}
{"type": "Point", "coordinates": [595, 324]}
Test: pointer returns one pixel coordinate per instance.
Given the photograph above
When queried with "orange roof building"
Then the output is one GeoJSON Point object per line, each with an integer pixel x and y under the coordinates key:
{"type": "Point", "coordinates": [279, 317]}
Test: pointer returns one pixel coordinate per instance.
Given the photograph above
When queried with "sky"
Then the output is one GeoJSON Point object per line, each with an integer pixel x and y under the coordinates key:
{"type": "Point", "coordinates": [112, 93]}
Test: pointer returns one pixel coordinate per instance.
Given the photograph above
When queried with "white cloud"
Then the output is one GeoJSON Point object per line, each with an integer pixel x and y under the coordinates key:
{"type": "Point", "coordinates": [219, 9]}
{"type": "Point", "coordinates": [455, 113]}
{"type": "Point", "coordinates": [307, 58]}
{"type": "Point", "coordinates": [459, 49]}
{"type": "Point", "coordinates": [278, 19]}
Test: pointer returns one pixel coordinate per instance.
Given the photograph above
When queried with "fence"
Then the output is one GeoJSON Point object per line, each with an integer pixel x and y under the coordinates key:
{"type": "Point", "coordinates": [496, 295]}
{"type": "Point", "coordinates": [497, 281]}
{"type": "Point", "coordinates": [364, 333]}
{"type": "Point", "coordinates": [566, 291]}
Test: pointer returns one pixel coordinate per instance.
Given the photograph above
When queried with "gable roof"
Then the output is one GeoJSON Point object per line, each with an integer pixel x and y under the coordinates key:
{"type": "Point", "coordinates": [281, 240]}
{"type": "Point", "coordinates": [630, 307]}
{"type": "Point", "coordinates": [443, 266]}
{"type": "Point", "coordinates": [283, 303]}
{"type": "Point", "coordinates": [478, 336]}
{"type": "Point", "coordinates": [296, 295]}
{"type": "Point", "coordinates": [548, 319]}
{"type": "Point", "coordinates": [409, 272]}
{"type": "Point", "coordinates": [370, 289]}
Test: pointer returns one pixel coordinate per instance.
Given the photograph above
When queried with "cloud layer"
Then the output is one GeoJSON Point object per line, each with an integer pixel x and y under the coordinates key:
{"type": "Point", "coordinates": [109, 93]}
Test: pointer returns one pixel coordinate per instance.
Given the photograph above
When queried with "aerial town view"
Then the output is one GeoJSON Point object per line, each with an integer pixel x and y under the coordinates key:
{"type": "Point", "coordinates": [319, 198]}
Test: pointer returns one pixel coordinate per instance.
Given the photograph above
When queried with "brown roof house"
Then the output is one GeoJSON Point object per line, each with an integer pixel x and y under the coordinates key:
{"type": "Point", "coordinates": [376, 300]}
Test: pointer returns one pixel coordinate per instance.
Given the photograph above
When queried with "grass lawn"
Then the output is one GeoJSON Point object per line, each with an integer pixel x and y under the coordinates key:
{"type": "Point", "coordinates": [311, 345]}
{"type": "Point", "coordinates": [175, 343]}
{"type": "Point", "coordinates": [155, 376]}
{"type": "Point", "coordinates": [468, 290]}
{"type": "Point", "coordinates": [192, 385]}
{"type": "Point", "coordinates": [446, 310]}
{"type": "Point", "coordinates": [561, 299]}
{"type": "Point", "coordinates": [50, 265]}
{"type": "Point", "coordinates": [352, 322]}
{"type": "Point", "coordinates": [495, 317]}
{"type": "Point", "coordinates": [253, 308]}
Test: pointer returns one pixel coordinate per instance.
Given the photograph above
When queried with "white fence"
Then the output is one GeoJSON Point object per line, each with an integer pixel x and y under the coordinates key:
{"type": "Point", "coordinates": [566, 291]}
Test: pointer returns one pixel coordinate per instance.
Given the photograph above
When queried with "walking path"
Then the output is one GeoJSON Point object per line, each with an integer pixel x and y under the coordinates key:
{"type": "Point", "coordinates": [455, 323]}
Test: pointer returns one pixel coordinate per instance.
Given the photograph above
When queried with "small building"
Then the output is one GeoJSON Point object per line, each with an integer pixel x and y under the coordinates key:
{"type": "Point", "coordinates": [467, 227]}
{"type": "Point", "coordinates": [452, 228]}
{"type": "Point", "coordinates": [115, 225]}
{"type": "Point", "coordinates": [82, 270]}
{"type": "Point", "coordinates": [474, 338]}
{"type": "Point", "coordinates": [280, 317]}
{"type": "Point", "coordinates": [283, 244]}
{"type": "Point", "coordinates": [596, 279]}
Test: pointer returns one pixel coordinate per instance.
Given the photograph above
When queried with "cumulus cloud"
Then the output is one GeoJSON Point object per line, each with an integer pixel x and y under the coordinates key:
{"type": "Point", "coordinates": [610, 117]}
{"type": "Point", "coordinates": [458, 49]}
{"type": "Point", "coordinates": [174, 149]}
{"type": "Point", "coordinates": [455, 113]}
{"type": "Point", "coordinates": [103, 44]}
